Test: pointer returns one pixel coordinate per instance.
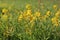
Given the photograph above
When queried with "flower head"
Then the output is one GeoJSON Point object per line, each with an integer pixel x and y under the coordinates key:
{"type": "Point", "coordinates": [54, 6]}
{"type": "Point", "coordinates": [48, 13]}
{"type": "Point", "coordinates": [20, 17]}
{"type": "Point", "coordinates": [4, 10]}
{"type": "Point", "coordinates": [57, 13]}
{"type": "Point", "coordinates": [28, 6]}
{"type": "Point", "coordinates": [37, 14]}
{"type": "Point", "coordinates": [55, 21]}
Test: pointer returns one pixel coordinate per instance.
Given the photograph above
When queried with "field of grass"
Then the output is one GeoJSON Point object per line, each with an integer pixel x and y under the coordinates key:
{"type": "Point", "coordinates": [29, 19]}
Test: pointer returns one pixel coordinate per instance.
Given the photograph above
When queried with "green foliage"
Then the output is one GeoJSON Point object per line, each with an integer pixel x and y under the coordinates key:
{"type": "Point", "coordinates": [39, 29]}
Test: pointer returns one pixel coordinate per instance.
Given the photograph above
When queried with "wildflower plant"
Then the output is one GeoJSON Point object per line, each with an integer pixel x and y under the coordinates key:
{"type": "Point", "coordinates": [30, 24]}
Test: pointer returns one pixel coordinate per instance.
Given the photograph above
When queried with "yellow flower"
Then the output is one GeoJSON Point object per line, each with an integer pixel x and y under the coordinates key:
{"type": "Point", "coordinates": [4, 10]}
{"type": "Point", "coordinates": [54, 6]}
{"type": "Point", "coordinates": [29, 12]}
{"type": "Point", "coordinates": [48, 13]}
{"type": "Point", "coordinates": [37, 14]}
{"type": "Point", "coordinates": [57, 14]}
{"type": "Point", "coordinates": [20, 17]}
{"type": "Point", "coordinates": [32, 19]}
{"type": "Point", "coordinates": [28, 6]}
{"type": "Point", "coordinates": [55, 21]}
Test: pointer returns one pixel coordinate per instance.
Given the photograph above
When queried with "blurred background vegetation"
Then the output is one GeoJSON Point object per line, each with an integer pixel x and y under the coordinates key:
{"type": "Point", "coordinates": [20, 4]}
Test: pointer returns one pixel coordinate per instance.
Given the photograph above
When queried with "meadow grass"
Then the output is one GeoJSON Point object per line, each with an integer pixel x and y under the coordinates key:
{"type": "Point", "coordinates": [29, 20]}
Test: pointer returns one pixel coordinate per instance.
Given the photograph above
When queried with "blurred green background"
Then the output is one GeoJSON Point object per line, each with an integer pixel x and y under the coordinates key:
{"type": "Point", "coordinates": [20, 4]}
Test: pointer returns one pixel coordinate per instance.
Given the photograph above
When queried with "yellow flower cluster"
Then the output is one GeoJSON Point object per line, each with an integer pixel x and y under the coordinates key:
{"type": "Point", "coordinates": [28, 21]}
{"type": "Point", "coordinates": [33, 16]}
{"type": "Point", "coordinates": [55, 20]}
{"type": "Point", "coordinates": [57, 13]}
{"type": "Point", "coordinates": [28, 15]}
{"type": "Point", "coordinates": [37, 14]}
